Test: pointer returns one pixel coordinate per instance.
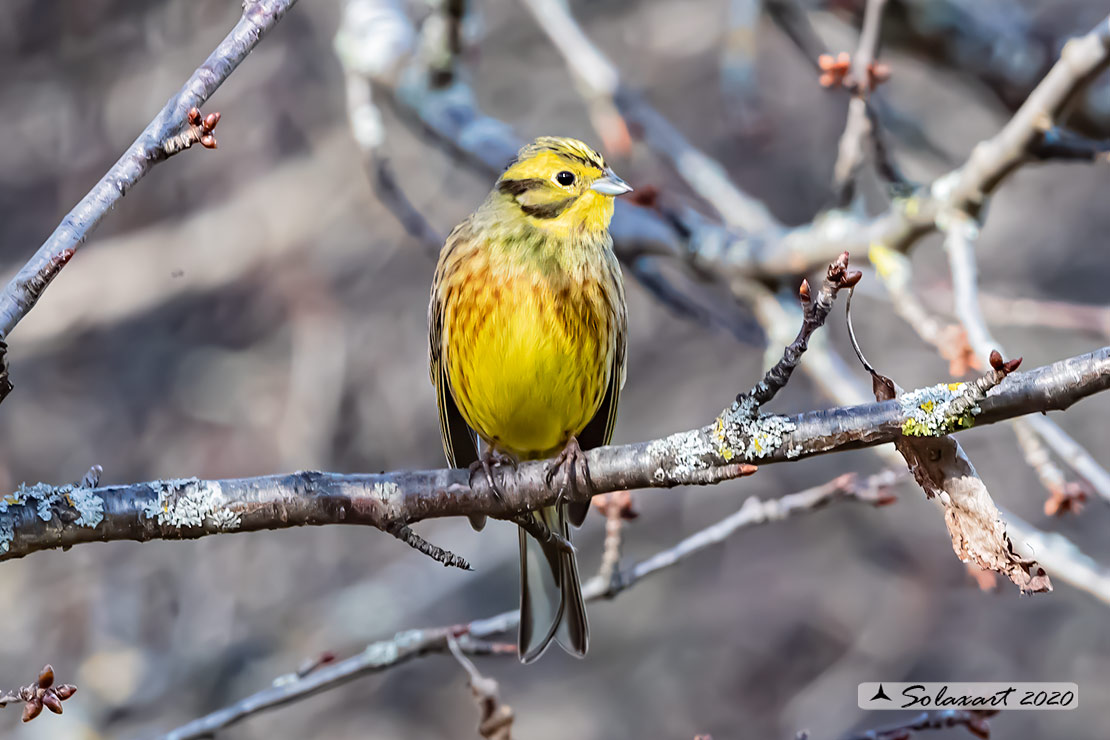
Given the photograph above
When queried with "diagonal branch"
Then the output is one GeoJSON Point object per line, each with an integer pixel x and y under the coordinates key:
{"type": "Point", "coordinates": [600, 78]}
{"type": "Point", "coordinates": [816, 310]}
{"type": "Point", "coordinates": [44, 517]}
{"type": "Point", "coordinates": [25, 289]}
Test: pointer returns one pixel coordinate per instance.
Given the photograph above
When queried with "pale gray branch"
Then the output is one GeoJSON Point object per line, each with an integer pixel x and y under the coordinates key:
{"type": "Point", "coordinates": [43, 517]}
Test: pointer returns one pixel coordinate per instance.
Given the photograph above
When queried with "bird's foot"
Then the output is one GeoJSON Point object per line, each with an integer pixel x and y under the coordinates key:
{"type": "Point", "coordinates": [489, 460]}
{"type": "Point", "coordinates": [576, 470]}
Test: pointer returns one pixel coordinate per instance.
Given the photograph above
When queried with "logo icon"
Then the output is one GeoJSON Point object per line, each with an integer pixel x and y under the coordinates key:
{"type": "Point", "coordinates": [880, 694]}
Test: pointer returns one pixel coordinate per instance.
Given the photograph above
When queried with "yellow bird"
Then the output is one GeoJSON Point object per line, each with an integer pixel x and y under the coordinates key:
{"type": "Point", "coordinates": [527, 329]}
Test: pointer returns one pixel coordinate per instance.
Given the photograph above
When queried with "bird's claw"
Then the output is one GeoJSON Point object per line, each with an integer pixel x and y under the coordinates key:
{"type": "Point", "coordinates": [486, 463]}
{"type": "Point", "coordinates": [572, 461]}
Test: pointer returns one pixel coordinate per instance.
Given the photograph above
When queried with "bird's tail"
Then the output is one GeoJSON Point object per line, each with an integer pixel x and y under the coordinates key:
{"type": "Point", "coordinates": [551, 604]}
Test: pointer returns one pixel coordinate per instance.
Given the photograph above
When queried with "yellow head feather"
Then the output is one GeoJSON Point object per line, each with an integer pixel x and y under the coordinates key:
{"type": "Point", "coordinates": [551, 185]}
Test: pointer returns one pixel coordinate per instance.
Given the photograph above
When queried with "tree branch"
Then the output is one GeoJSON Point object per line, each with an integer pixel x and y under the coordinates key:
{"type": "Point", "coordinates": [25, 289]}
{"type": "Point", "coordinates": [42, 517]}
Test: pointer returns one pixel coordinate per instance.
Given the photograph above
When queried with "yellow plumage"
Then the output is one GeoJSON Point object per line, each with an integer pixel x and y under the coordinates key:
{"type": "Point", "coordinates": [527, 335]}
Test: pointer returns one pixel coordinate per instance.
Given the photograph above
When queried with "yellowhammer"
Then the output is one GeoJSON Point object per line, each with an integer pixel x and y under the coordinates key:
{"type": "Point", "coordinates": [527, 328]}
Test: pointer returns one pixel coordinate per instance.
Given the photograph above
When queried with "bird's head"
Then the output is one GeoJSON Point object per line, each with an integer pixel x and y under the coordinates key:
{"type": "Point", "coordinates": [561, 186]}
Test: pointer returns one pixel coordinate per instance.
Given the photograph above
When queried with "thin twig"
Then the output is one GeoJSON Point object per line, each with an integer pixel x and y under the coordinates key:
{"type": "Point", "coordinates": [24, 290]}
{"type": "Point", "coordinates": [404, 533]}
{"type": "Point", "coordinates": [816, 310]}
{"type": "Point", "coordinates": [496, 719]}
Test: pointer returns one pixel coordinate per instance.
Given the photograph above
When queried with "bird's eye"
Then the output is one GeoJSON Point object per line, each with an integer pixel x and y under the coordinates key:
{"type": "Point", "coordinates": [564, 178]}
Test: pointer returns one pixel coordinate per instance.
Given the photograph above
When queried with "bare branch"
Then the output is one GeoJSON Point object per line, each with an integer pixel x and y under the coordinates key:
{"type": "Point", "coordinates": [150, 148]}
{"type": "Point", "coordinates": [816, 311]}
{"type": "Point", "coordinates": [43, 517]}
{"type": "Point", "coordinates": [496, 721]}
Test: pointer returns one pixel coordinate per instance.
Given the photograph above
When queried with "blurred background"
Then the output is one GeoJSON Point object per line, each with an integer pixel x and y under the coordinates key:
{"type": "Point", "coordinates": [255, 310]}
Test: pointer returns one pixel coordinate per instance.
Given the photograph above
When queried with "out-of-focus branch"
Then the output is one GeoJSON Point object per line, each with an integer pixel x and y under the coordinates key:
{"type": "Point", "coordinates": [600, 77]}
{"type": "Point", "coordinates": [404, 646]}
{"type": "Point", "coordinates": [895, 272]}
{"type": "Point", "coordinates": [1064, 496]}
{"type": "Point", "coordinates": [43, 517]}
{"type": "Point", "coordinates": [961, 233]}
{"type": "Point", "coordinates": [858, 129]}
{"type": "Point", "coordinates": [974, 720]}
{"type": "Point", "coordinates": [24, 290]}
{"type": "Point", "coordinates": [1002, 310]}
{"type": "Point", "coordinates": [496, 719]}
{"type": "Point", "coordinates": [739, 52]}
{"type": "Point", "coordinates": [1081, 60]}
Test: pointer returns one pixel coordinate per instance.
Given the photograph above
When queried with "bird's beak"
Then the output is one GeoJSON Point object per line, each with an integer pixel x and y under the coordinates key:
{"type": "Point", "coordinates": [610, 184]}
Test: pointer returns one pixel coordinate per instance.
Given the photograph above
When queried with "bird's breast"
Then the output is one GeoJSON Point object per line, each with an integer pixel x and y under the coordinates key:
{"type": "Point", "coordinates": [529, 355]}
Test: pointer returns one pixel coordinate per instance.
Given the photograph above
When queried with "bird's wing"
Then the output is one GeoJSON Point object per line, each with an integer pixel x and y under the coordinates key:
{"type": "Point", "coordinates": [460, 444]}
{"type": "Point", "coordinates": [599, 431]}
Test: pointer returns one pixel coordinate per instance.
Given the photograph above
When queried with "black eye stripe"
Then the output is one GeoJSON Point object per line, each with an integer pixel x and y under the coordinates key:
{"type": "Point", "coordinates": [519, 187]}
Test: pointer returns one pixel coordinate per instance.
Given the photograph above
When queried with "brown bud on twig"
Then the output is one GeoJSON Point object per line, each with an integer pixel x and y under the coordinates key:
{"type": "Point", "coordinates": [199, 130]}
{"type": "Point", "coordinates": [1003, 366]}
{"type": "Point", "coordinates": [31, 710]}
{"type": "Point", "coordinates": [42, 693]}
{"type": "Point", "coordinates": [834, 70]}
{"type": "Point", "coordinates": [837, 72]}
{"type": "Point", "coordinates": [51, 701]}
{"type": "Point", "coordinates": [803, 292]}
